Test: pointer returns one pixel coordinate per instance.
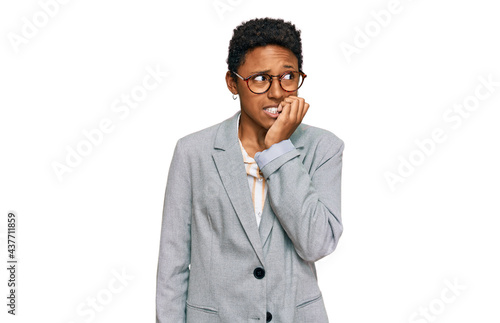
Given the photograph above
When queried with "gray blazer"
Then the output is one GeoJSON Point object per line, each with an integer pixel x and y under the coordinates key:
{"type": "Point", "coordinates": [215, 264]}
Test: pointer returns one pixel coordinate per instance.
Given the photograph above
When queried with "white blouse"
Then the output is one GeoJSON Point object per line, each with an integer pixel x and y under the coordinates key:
{"type": "Point", "coordinates": [256, 182]}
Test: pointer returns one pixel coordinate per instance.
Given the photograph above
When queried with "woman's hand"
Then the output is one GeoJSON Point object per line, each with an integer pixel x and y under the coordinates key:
{"type": "Point", "coordinates": [293, 109]}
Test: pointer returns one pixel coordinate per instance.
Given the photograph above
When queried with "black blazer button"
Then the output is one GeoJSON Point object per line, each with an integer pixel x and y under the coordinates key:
{"type": "Point", "coordinates": [269, 317]}
{"type": "Point", "coordinates": [259, 273]}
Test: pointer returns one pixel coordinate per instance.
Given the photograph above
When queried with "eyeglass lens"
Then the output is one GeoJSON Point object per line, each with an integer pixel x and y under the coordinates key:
{"type": "Point", "coordinates": [262, 82]}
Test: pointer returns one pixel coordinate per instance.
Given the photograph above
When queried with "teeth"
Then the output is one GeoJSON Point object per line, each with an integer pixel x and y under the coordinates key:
{"type": "Point", "coordinates": [272, 110]}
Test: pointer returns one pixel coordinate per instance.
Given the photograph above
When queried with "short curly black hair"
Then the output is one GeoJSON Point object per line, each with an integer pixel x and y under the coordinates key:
{"type": "Point", "coordinates": [261, 32]}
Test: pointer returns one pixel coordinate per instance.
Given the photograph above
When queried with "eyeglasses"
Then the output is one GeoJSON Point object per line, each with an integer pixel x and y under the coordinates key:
{"type": "Point", "coordinates": [260, 83]}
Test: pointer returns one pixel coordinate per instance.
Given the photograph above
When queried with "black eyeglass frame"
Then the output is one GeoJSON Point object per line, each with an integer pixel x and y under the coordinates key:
{"type": "Point", "coordinates": [246, 79]}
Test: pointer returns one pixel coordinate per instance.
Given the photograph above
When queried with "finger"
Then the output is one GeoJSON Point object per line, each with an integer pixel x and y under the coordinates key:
{"type": "Point", "coordinates": [300, 108]}
{"type": "Point", "coordinates": [292, 114]}
{"type": "Point", "coordinates": [306, 108]}
{"type": "Point", "coordinates": [294, 108]}
{"type": "Point", "coordinates": [300, 112]}
{"type": "Point", "coordinates": [285, 110]}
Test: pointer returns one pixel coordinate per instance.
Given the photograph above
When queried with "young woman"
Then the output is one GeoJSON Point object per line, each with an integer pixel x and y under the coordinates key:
{"type": "Point", "coordinates": [252, 202]}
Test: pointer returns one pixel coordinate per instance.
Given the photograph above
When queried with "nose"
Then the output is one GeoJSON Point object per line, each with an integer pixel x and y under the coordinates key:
{"type": "Point", "coordinates": [275, 91]}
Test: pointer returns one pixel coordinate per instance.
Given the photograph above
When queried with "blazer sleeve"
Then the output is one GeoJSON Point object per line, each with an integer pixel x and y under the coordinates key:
{"type": "Point", "coordinates": [175, 252]}
{"type": "Point", "coordinates": [307, 204]}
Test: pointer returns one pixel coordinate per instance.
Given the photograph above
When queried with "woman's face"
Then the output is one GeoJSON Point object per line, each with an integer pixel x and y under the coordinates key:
{"type": "Point", "coordinates": [270, 59]}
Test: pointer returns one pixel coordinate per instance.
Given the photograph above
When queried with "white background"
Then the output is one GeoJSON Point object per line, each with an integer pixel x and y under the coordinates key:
{"type": "Point", "coordinates": [402, 247]}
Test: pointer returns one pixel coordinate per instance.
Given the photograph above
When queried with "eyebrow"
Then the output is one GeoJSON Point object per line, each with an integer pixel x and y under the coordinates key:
{"type": "Point", "coordinates": [267, 71]}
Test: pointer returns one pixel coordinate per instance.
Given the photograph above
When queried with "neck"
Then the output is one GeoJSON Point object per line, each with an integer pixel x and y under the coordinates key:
{"type": "Point", "coordinates": [251, 135]}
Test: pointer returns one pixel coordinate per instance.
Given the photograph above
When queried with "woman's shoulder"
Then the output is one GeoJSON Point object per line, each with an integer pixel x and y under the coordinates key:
{"type": "Point", "coordinates": [201, 140]}
{"type": "Point", "coordinates": [200, 137]}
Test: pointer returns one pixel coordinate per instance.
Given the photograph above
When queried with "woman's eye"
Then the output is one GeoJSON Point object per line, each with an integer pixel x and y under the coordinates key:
{"type": "Point", "coordinates": [288, 76]}
{"type": "Point", "coordinates": [259, 78]}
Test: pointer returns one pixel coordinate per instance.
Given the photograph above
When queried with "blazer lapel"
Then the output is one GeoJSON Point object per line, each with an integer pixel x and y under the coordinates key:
{"type": "Point", "coordinates": [229, 162]}
{"type": "Point", "coordinates": [267, 222]}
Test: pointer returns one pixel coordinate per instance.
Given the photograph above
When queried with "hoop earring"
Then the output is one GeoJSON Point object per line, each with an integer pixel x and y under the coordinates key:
{"type": "Point", "coordinates": [235, 96]}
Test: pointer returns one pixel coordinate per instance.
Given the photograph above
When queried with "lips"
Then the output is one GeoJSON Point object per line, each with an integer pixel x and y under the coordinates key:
{"type": "Point", "coordinates": [273, 110]}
